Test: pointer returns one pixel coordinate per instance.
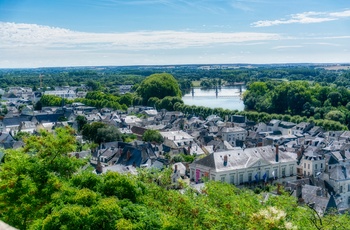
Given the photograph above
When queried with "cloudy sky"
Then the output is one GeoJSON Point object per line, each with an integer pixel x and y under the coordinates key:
{"type": "Point", "coordinates": [50, 33]}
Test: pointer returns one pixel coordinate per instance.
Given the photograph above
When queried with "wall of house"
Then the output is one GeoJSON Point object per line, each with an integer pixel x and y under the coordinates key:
{"type": "Point", "coordinates": [231, 137]}
{"type": "Point", "coordinates": [283, 171]}
{"type": "Point", "coordinates": [312, 167]}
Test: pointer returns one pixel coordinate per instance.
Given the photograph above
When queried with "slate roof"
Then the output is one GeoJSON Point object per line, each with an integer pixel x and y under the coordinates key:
{"type": "Point", "coordinates": [286, 125]}
{"type": "Point", "coordinates": [42, 118]}
{"type": "Point", "coordinates": [340, 172]}
{"type": "Point", "coordinates": [135, 157]}
{"type": "Point", "coordinates": [232, 129]}
{"type": "Point", "coordinates": [5, 137]}
{"type": "Point", "coordinates": [239, 158]}
{"type": "Point", "coordinates": [120, 169]}
{"type": "Point", "coordinates": [15, 121]}
{"type": "Point", "coordinates": [317, 199]}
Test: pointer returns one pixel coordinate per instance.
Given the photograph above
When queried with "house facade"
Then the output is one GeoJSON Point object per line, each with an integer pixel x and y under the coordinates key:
{"type": "Point", "coordinates": [312, 164]}
{"type": "Point", "coordinates": [231, 134]}
{"type": "Point", "coordinates": [240, 166]}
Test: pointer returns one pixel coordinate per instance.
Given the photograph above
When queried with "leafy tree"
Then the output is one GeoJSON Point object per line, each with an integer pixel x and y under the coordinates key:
{"type": "Point", "coordinates": [336, 115]}
{"type": "Point", "coordinates": [3, 110]}
{"type": "Point", "coordinates": [21, 135]}
{"type": "Point", "coordinates": [107, 134]}
{"type": "Point", "coordinates": [89, 130]}
{"type": "Point", "coordinates": [335, 98]}
{"type": "Point", "coordinates": [122, 186]}
{"type": "Point", "coordinates": [30, 175]}
{"type": "Point", "coordinates": [93, 85]}
{"type": "Point", "coordinates": [81, 120]}
{"type": "Point", "coordinates": [168, 103]}
{"type": "Point", "coordinates": [152, 136]}
{"type": "Point", "coordinates": [160, 86]}
{"type": "Point", "coordinates": [126, 99]}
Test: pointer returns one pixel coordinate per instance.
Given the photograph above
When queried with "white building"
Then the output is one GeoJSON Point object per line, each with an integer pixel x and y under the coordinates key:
{"type": "Point", "coordinates": [239, 166]}
{"type": "Point", "coordinates": [69, 94]}
{"type": "Point", "coordinates": [231, 134]}
{"type": "Point", "coordinates": [177, 139]}
{"type": "Point", "coordinates": [312, 164]}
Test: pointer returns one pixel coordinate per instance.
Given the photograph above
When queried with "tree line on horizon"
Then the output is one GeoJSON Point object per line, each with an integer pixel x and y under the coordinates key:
{"type": "Point", "coordinates": [290, 93]}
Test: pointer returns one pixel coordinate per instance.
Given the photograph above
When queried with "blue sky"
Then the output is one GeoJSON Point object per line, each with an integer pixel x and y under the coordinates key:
{"type": "Point", "coordinates": [49, 33]}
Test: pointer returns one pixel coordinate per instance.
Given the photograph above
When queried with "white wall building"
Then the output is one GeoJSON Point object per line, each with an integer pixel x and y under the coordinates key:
{"type": "Point", "coordinates": [69, 94]}
{"type": "Point", "coordinates": [177, 139]}
{"type": "Point", "coordinates": [312, 164]}
{"type": "Point", "coordinates": [231, 134]}
{"type": "Point", "coordinates": [239, 166]}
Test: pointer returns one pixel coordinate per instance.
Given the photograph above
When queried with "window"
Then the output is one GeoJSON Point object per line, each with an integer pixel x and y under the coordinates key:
{"type": "Point", "coordinates": [249, 177]}
{"type": "Point", "coordinates": [315, 166]}
{"type": "Point", "coordinates": [341, 189]}
{"type": "Point", "coordinates": [304, 165]}
{"type": "Point", "coordinates": [232, 179]}
{"type": "Point", "coordinates": [241, 179]}
{"type": "Point", "coordinates": [291, 170]}
{"type": "Point", "coordinates": [349, 200]}
{"type": "Point", "coordinates": [283, 171]}
{"type": "Point", "coordinates": [308, 166]}
{"type": "Point", "coordinates": [274, 174]}
{"type": "Point", "coordinates": [321, 165]}
{"type": "Point", "coordinates": [348, 187]}
{"type": "Point", "coordinates": [223, 178]}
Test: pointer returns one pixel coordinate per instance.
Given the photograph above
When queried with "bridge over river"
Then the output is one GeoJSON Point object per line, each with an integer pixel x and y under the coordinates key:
{"type": "Point", "coordinates": [226, 97]}
{"type": "Point", "coordinates": [225, 91]}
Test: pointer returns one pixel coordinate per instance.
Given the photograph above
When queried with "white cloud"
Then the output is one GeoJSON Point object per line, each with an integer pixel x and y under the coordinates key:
{"type": "Point", "coordinates": [341, 14]}
{"type": "Point", "coordinates": [286, 47]}
{"type": "Point", "coordinates": [32, 35]}
{"type": "Point", "coordinates": [304, 18]}
{"type": "Point", "coordinates": [323, 44]}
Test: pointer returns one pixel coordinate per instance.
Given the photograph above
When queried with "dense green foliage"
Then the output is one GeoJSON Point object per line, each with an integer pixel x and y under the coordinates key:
{"type": "Point", "coordinates": [152, 136]}
{"type": "Point", "coordinates": [158, 86]}
{"type": "Point", "coordinates": [42, 188]}
{"type": "Point", "coordinates": [302, 98]}
{"type": "Point", "coordinates": [99, 132]}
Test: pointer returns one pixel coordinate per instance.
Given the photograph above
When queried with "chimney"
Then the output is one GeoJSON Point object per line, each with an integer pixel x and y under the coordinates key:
{"type": "Point", "coordinates": [276, 153]}
{"type": "Point", "coordinates": [175, 169]}
{"type": "Point", "coordinates": [225, 160]}
{"type": "Point", "coordinates": [189, 150]}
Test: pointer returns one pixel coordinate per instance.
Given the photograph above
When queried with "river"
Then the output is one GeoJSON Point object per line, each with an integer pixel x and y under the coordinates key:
{"type": "Point", "coordinates": [228, 98]}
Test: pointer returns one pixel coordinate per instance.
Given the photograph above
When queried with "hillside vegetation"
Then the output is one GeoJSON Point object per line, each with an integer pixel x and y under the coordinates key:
{"type": "Point", "coordinates": [42, 187]}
